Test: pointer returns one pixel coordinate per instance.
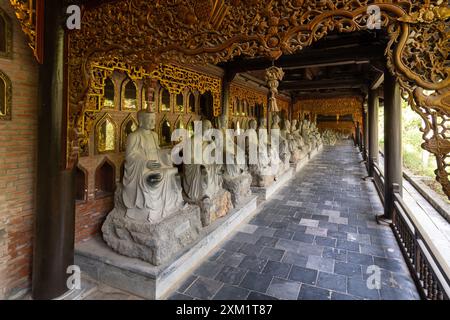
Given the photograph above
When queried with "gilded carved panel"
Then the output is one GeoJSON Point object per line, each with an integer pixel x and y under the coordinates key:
{"type": "Point", "coordinates": [144, 34]}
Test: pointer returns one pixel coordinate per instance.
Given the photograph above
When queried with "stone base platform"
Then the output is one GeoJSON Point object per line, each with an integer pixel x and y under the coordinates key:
{"type": "Point", "coordinates": [140, 278]}
{"type": "Point", "coordinates": [315, 152]}
{"type": "Point", "coordinates": [266, 192]}
{"type": "Point", "coordinates": [299, 165]}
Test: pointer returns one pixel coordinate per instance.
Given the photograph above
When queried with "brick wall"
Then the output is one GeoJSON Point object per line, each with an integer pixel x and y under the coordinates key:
{"type": "Point", "coordinates": [18, 141]}
{"type": "Point", "coordinates": [90, 214]}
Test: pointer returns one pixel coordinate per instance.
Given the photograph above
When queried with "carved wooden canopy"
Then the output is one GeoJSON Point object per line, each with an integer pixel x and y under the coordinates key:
{"type": "Point", "coordinates": [143, 34]}
{"type": "Point", "coordinates": [331, 106]}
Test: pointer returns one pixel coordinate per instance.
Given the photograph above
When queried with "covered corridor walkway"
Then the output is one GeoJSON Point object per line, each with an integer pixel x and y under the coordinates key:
{"type": "Point", "coordinates": [315, 239]}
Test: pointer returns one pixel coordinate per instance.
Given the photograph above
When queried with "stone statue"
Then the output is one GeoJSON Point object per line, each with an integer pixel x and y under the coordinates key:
{"type": "Point", "coordinates": [262, 172]}
{"type": "Point", "coordinates": [306, 134]}
{"type": "Point", "coordinates": [296, 133]}
{"type": "Point", "coordinates": [202, 183]}
{"type": "Point", "coordinates": [150, 220]}
{"type": "Point", "coordinates": [282, 155]}
{"type": "Point", "coordinates": [236, 178]}
{"type": "Point", "coordinates": [293, 147]}
{"type": "Point", "coordinates": [151, 186]}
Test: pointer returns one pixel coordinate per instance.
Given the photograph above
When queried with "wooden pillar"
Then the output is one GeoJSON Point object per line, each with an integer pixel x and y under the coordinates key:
{"type": "Point", "coordinates": [365, 133]}
{"type": "Point", "coordinates": [226, 87]}
{"type": "Point", "coordinates": [357, 135]}
{"type": "Point", "coordinates": [373, 130]}
{"type": "Point", "coordinates": [53, 249]}
{"type": "Point", "coordinates": [393, 141]}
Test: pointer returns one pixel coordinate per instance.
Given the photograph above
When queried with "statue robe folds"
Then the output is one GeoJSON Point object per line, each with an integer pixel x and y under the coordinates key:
{"type": "Point", "coordinates": [149, 194]}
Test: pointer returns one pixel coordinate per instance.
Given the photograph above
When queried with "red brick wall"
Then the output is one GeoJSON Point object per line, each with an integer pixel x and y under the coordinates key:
{"type": "Point", "coordinates": [18, 141]}
{"type": "Point", "coordinates": [91, 213]}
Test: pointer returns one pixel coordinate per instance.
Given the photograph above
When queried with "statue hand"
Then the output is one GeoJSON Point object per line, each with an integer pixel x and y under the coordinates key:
{"type": "Point", "coordinates": [152, 165]}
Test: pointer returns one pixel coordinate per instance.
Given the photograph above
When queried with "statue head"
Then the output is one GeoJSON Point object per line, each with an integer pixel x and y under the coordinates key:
{"type": "Point", "coordinates": [206, 125]}
{"type": "Point", "coordinates": [276, 119]}
{"type": "Point", "coordinates": [287, 125]}
{"type": "Point", "coordinates": [147, 120]}
{"type": "Point", "coordinates": [252, 124]}
{"type": "Point", "coordinates": [223, 121]}
{"type": "Point", "coordinates": [294, 124]}
{"type": "Point", "coordinates": [262, 123]}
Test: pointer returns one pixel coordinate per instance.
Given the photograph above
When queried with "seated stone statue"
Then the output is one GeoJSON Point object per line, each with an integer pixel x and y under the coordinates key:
{"type": "Point", "coordinates": [296, 133]}
{"type": "Point", "coordinates": [236, 178]}
{"type": "Point", "coordinates": [294, 149]}
{"type": "Point", "coordinates": [316, 134]}
{"type": "Point", "coordinates": [284, 152]}
{"type": "Point", "coordinates": [202, 182]}
{"type": "Point", "coordinates": [262, 172]}
{"type": "Point", "coordinates": [150, 220]}
{"type": "Point", "coordinates": [151, 186]}
{"type": "Point", "coordinates": [306, 134]}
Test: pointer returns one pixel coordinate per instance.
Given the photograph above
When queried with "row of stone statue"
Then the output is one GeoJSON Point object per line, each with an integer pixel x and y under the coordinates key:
{"type": "Point", "coordinates": [331, 137]}
{"type": "Point", "coordinates": [158, 212]}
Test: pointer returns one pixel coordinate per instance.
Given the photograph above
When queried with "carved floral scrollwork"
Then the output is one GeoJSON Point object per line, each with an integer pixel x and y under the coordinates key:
{"type": "Point", "coordinates": [145, 33]}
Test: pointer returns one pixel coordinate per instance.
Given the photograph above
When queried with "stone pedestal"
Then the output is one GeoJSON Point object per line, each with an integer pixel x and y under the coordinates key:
{"type": "Point", "coordinates": [216, 207]}
{"type": "Point", "coordinates": [262, 181]}
{"type": "Point", "coordinates": [154, 243]}
{"type": "Point", "coordinates": [239, 187]}
{"type": "Point", "coordinates": [264, 193]}
{"type": "Point", "coordinates": [143, 279]}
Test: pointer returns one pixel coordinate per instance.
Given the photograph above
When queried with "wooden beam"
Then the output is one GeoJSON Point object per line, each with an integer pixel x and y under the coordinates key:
{"type": "Point", "coordinates": [311, 57]}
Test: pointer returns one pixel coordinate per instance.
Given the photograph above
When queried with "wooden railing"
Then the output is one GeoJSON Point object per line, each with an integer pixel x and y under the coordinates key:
{"type": "Point", "coordinates": [378, 179]}
{"type": "Point", "coordinates": [432, 282]}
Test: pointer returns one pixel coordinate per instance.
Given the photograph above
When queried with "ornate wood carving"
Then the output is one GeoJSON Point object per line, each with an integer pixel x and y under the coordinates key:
{"type": "Point", "coordinates": [331, 106]}
{"type": "Point", "coordinates": [30, 14]}
{"type": "Point", "coordinates": [5, 110]}
{"type": "Point", "coordinates": [145, 33]}
{"type": "Point", "coordinates": [250, 95]}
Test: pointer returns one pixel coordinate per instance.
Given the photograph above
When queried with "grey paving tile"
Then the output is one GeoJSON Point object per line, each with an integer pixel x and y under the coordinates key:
{"type": "Point", "coordinates": [260, 296]}
{"type": "Point", "coordinates": [277, 269]}
{"type": "Point", "coordinates": [256, 282]}
{"type": "Point", "coordinates": [284, 234]}
{"type": "Point", "coordinates": [203, 288]}
{"type": "Point", "coordinates": [303, 275]}
{"type": "Point", "coordinates": [284, 289]}
{"type": "Point", "coordinates": [228, 292]}
{"type": "Point", "coordinates": [245, 237]}
{"type": "Point", "coordinates": [186, 283]}
{"type": "Point", "coordinates": [295, 259]}
{"type": "Point", "coordinates": [319, 263]}
{"type": "Point", "coordinates": [358, 258]}
{"type": "Point", "coordinates": [179, 296]}
{"type": "Point", "coordinates": [325, 241]}
{"type": "Point", "coordinates": [332, 282]}
{"type": "Point", "coordinates": [302, 237]}
{"type": "Point", "coordinates": [347, 269]}
{"type": "Point", "coordinates": [267, 241]}
{"type": "Point", "coordinates": [251, 249]}
{"type": "Point", "coordinates": [230, 258]}
{"type": "Point", "coordinates": [253, 264]}
{"type": "Point", "coordinates": [272, 254]}
{"type": "Point", "coordinates": [232, 245]}
{"type": "Point", "coordinates": [396, 294]}
{"type": "Point", "coordinates": [216, 255]}
{"type": "Point", "coordinates": [208, 269]}
{"type": "Point", "coordinates": [313, 293]}
{"type": "Point", "coordinates": [347, 245]}
{"type": "Point", "coordinates": [341, 296]}
{"type": "Point", "coordinates": [390, 264]}
{"type": "Point", "coordinates": [359, 288]}
{"type": "Point", "coordinates": [231, 275]}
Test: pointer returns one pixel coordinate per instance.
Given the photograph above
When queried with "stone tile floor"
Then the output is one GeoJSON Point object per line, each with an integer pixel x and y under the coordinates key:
{"type": "Point", "coordinates": [315, 240]}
